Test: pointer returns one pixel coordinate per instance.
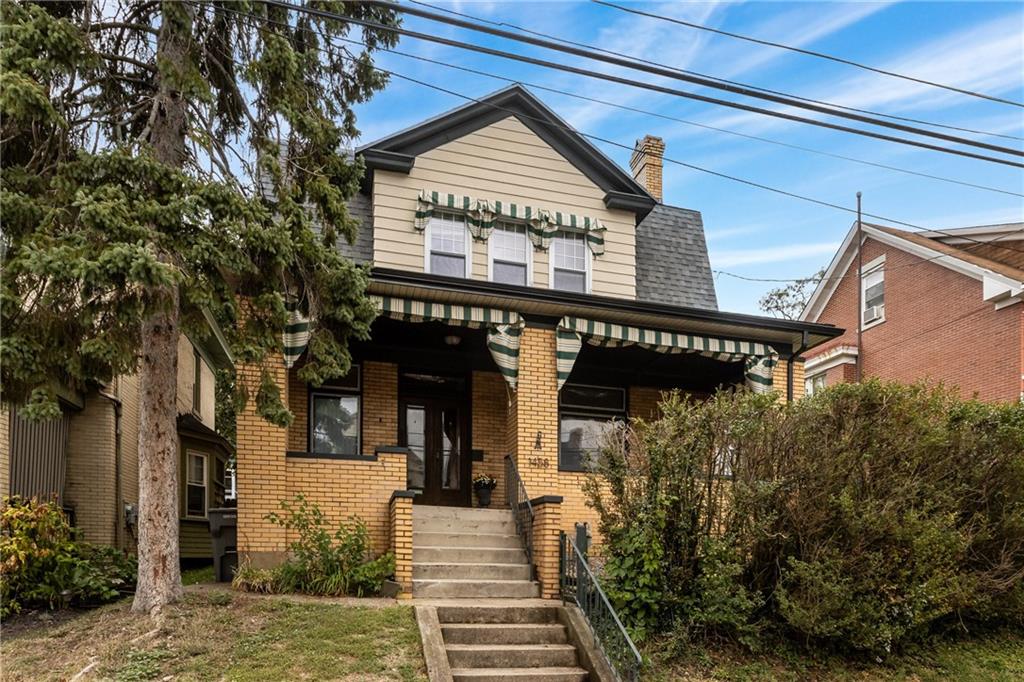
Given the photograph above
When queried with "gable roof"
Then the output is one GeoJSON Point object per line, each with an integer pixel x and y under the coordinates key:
{"type": "Point", "coordinates": [398, 152]}
{"type": "Point", "coordinates": [1002, 283]}
{"type": "Point", "coordinates": [672, 259]}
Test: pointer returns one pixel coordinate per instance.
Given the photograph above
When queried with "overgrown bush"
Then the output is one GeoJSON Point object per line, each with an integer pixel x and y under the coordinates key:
{"type": "Point", "coordinates": [319, 562]}
{"type": "Point", "coordinates": [863, 517]}
{"type": "Point", "coordinates": [42, 563]}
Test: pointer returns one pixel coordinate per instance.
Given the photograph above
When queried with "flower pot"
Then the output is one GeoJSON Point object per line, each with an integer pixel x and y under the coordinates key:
{"type": "Point", "coordinates": [483, 496]}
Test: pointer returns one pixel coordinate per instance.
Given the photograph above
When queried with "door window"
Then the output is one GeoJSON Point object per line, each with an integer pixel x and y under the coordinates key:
{"type": "Point", "coordinates": [416, 440]}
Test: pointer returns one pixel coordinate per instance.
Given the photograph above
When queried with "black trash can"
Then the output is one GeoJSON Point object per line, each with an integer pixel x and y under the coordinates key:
{"type": "Point", "coordinates": [224, 532]}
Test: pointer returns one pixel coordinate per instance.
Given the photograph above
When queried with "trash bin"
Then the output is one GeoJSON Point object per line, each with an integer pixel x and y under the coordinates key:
{"type": "Point", "coordinates": [224, 532]}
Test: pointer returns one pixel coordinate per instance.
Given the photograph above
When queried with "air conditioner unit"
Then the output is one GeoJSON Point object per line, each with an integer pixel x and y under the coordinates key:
{"type": "Point", "coordinates": [873, 313]}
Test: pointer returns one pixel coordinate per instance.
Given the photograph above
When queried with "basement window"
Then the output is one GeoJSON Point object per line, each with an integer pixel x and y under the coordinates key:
{"type": "Point", "coordinates": [587, 415]}
{"type": "Point", "coordinates": [570, 262]}
{"type": "Point", "coordinates": [195, 484]}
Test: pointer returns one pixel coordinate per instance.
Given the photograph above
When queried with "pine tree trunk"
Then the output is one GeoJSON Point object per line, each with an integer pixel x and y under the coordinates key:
{"type": "Point", "coordinates": [159, 581]}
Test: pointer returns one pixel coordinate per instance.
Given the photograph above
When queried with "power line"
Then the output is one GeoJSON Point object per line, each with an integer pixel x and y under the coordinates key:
{"type": "Point", "coordinates": [625, 107]}
{"type": "Point", "coordinates": [640, 84]}
{"type": "Point", "coordinates": [661, 70]}
{"type": "Point", "coordinates": [811, 53]}
{"type": "Point", "coordinates": [723, 80]}
{"type": "Point", "coordinates": [568, 128]}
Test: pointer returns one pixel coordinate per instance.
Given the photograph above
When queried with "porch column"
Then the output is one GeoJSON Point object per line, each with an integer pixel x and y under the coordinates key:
{"type": "Point", "coordinates": [547, 527]}
{"type": "Point", "coordinates": [533, 414]}
{"type": "Point", "coordinates": [401, 539]}
{"type": "Point", "coordinates": [262, 479]}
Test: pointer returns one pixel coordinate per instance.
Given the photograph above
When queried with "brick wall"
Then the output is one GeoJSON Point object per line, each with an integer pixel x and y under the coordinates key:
{"type": "Point", "coordinates": [936, 326]}
{"type": "Point", "coordinates": [533, 415]}
{"type": "Point", "coordinates": [489, 409]}
{"type": "Point", "coordinates": [341, 488]}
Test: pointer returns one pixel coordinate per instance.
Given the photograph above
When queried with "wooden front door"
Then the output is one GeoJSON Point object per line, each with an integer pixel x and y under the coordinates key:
{"type": "Point", "coordinates": [435, 431]}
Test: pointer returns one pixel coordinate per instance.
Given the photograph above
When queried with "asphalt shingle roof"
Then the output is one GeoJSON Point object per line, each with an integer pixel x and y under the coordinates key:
{"type": "Point", "coordinates": [360, 250]}
{"type": "Point", "coordinates": [672, 264]}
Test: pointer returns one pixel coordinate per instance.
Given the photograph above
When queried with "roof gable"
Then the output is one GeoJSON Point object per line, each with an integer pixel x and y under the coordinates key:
{"type": "Point", "coordinates": [1001, 284]}
{"type": "Point", "coordinates": [398, 152]}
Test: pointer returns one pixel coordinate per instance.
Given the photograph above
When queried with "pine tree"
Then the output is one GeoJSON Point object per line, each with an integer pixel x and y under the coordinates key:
{"type": "Point", "coordinates": [788, 302]}
{"type": "Point", "coordinates": [161, 159]}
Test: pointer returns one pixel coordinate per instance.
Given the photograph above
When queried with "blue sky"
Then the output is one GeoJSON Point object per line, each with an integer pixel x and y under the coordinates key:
{"type": "Point", "coordinates": [976, 46]}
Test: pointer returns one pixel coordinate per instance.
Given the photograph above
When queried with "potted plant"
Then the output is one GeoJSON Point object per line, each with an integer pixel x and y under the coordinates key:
{"type": "Point", "coordinates": [483, 484]}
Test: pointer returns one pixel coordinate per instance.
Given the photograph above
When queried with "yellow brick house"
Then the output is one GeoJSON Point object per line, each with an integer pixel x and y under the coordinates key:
{"type": "Point", "coordinates": [531, 292]}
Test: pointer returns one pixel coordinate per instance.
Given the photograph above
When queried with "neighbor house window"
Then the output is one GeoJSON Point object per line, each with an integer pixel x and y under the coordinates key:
{"type": "Point", "coordinates": [587, 414]}
{"type": "Point", "coordinates": [509, 254]}
{"type": "Point", "coordinates": [873, 293]}
{"type": "Point", "coordinates": [195, 484]}
{"type": "Point", "coordinates": [197, 382]}
{"type": "Point", "coordinates": [334, 417]}
{"type": "Point", "coordinates": [569, 261]}
{"type": "Point", "coordinates": [448, 245]}
{"type": "Point", "coordinates": [814, 384]}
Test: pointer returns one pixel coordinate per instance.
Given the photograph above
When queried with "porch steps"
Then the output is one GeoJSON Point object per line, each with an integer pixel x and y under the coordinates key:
{"type": "Point", "coordinates": [492, 626]}
{"type": "Point", "coordinates": [498, 643]}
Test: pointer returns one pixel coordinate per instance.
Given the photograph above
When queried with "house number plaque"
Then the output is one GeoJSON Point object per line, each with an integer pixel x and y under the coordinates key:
{"type": "Point", "coordinates": [539, 462]}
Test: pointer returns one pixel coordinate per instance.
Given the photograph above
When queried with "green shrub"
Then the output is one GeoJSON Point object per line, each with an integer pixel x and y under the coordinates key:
{"type": "Point", "coordinates": [320, 562]}
{"type": "Point", "coordinates": [43, 564]}
{"type": "Point", "coordinates": [863, 517]}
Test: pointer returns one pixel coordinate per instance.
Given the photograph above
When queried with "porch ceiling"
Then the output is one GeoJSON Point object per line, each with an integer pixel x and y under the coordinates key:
{"type": "Point", "coordinates": [785, 335]}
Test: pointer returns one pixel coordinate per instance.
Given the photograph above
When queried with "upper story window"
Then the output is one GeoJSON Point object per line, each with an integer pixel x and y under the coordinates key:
{"type": "Point", "coordinates": [448, 245]}
{"type": "Point", "coordinates": [873, 293]}
{"type": "Point", "coordinates": [570, 262]}
{"type": "Point", "coordinates": [509, 255]}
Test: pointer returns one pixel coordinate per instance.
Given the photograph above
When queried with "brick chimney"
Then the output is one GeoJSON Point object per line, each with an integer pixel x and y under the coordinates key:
{"type": "Point", "coordinates": [646, 163]}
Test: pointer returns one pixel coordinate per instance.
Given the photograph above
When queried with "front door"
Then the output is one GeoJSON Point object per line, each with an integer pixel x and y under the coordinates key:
{"type": "Point", "coordinates": [434, 430]}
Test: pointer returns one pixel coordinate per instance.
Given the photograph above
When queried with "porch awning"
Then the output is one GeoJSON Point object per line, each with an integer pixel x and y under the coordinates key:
{"type": "Point", "coordinates": [482, 214]}
{"type": "Point", "coordinates": [295, 337]}
{"type": "Point", "coordinates": [758, 358]}
{"type": "Point", "coordinates": [504, 327]}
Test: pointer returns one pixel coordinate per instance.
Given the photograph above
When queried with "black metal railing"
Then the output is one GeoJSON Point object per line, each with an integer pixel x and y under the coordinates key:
{"type": "Point", "coordinates": [579, 585]}
{"type": "Point", "coordinates": [519, 502]}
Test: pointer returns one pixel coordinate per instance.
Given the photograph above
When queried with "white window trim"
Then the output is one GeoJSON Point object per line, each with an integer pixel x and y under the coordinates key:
{"type": "Point", "coordinates": [809, 382]}
{"type": "Point", "coordinates": [467, 241]}
{"type": "Point", "coordinates": [206, 483]}
{"type": "Point", "coordinates": [529, 257]}
{"type": "Point", "coordinates": [589, 265]}
{"type": "Point", "coordinates": [868, 269]}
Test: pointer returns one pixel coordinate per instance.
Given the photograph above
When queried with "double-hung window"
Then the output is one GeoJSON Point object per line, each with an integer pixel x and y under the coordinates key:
{"type": "Point", "coordinates": [873, 293]}
{"type": "Point", "coordinates": [509, 254]}
{"type": "Point", "coordinates": [195, 484]}
{"type": "Point", "coordinates": [448, 245]}
{"type": "Point", "coordinates": [814, 384]}
{"type": "Point", "coordinates": [334, 417]}
{"type": "Point", "coordinates": [570, 262]}
{"type": "Point", "coordinates": [587, 414]}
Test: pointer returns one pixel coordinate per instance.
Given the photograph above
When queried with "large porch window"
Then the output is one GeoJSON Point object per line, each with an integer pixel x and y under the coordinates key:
{"type": "Point", "coordinates": [335, 417]}
{"type": "Point", "coordinates": [587, 414]}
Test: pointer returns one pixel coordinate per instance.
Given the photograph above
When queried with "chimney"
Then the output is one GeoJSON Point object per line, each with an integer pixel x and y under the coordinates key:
{"type": "Point", "coordinates": [646, 163]}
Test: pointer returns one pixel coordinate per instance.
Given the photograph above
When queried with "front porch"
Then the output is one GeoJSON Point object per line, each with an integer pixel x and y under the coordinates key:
{"type": "Point", "coordinates": [427, 407]}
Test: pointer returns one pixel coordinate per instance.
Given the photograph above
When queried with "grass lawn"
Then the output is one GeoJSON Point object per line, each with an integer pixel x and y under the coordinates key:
{"type": "Point", "coordinates": [219, 635]}
{"type": "Point", "coordinates": [988, 658]}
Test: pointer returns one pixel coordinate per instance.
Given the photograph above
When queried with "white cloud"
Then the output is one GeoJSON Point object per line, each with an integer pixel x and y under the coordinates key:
{"type": "Point", "coordinates": [772, 254]}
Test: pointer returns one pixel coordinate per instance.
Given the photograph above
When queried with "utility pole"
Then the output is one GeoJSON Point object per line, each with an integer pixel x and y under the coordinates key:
{"type": "Point", "coordinates": [860, 293]}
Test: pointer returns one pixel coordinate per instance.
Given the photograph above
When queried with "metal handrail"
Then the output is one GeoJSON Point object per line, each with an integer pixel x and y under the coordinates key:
{"type": "Point", "coordinates": [579, 585]}
{"type": "Point", "coordinates": [519, 502]}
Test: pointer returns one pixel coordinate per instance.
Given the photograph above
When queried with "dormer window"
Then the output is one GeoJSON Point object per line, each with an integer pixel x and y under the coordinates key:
{"type": "Point", "coordinates": [570, 262]}
{"type": "Point", "coordinates": [448, 245]}
{"type": "Point", "coordinates": [509, 255]}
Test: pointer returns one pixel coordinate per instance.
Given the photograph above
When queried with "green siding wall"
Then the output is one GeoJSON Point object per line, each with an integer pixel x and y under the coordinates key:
{"type": "Point", "coordinates": [194, 540]}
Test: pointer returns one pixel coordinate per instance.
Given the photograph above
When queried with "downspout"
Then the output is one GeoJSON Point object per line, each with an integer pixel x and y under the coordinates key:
{"type": "Point", "coordinates": [116, 403]}
{"type": "Point", "coordinates": [804, 342]}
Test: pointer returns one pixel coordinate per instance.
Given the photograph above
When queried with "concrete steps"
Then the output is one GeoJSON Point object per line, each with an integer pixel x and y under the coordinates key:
{"type": "Point", "coordinates": [442, 570]}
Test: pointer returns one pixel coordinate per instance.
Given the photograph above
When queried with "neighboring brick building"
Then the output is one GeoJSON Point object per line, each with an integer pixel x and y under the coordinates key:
{"type": "Point", "coordinates": [942, 306]}
{"type": "Point", "coordinates": [88, 458]}
{"type": "Point", "coordinates": [530, 292]}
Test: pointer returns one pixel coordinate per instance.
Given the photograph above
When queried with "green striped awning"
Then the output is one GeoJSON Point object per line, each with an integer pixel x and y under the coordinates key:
{"type": "Point", "coordinates": [759, 358]}
{"type": "Point", "coordinates": [296, 333]}
{"type": "Point", "coordinates": [482, 214]}
{"type": "Point", "coordinates": [504, 327]}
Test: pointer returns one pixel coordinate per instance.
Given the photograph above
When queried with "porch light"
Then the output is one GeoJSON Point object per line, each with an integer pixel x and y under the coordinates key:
{"type": "Point", "coordinates": [453, 339]}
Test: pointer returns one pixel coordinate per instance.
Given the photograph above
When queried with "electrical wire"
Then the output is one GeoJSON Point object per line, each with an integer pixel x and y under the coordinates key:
{"type": "Point", "coordinates": [811, 53]}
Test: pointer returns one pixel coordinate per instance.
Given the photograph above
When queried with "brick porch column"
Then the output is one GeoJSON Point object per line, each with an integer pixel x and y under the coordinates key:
{"type": "Point", "coordinates": [547, 526]}
{"type": "Point", "coordinates": [262, 478]}
{"type": "Point", "coordinates": [401, 539]}
{"type": "Point", "coordinates": [533, 413]}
